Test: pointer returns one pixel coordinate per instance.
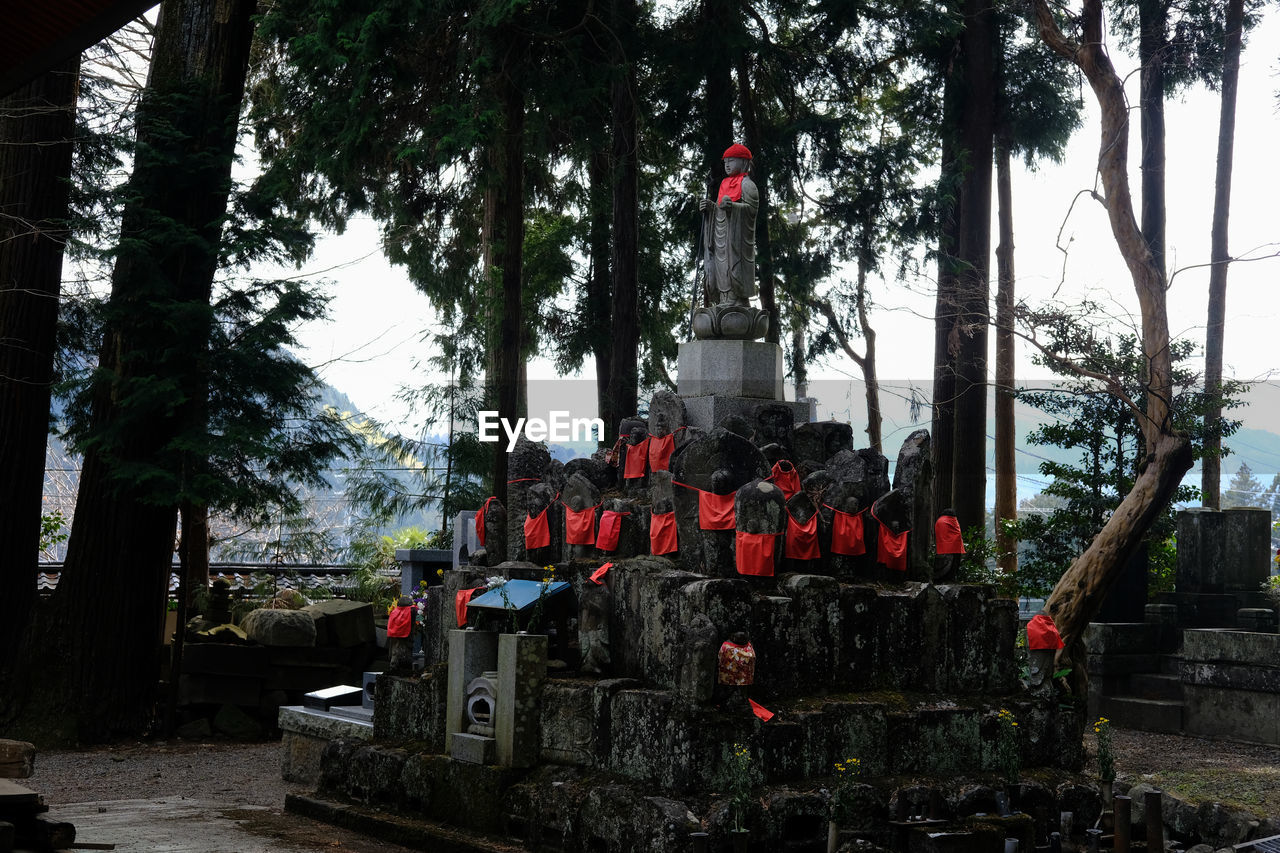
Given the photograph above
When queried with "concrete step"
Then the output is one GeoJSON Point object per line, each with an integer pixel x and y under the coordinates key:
{"type": "Point", "coordinates": [1148, 715]}
{"type": "Point", "coordinates": [1150, 685]}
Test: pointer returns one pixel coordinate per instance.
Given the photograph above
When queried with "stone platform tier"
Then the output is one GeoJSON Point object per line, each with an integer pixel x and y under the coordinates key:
{"type": "Point", "coordinates": [811, 633]}
{"type": "Point", "coordinates": [720, 378]}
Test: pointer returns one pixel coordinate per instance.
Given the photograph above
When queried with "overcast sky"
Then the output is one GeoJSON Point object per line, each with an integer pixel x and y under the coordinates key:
{"type": "Point", "coordinates": [372, 342]}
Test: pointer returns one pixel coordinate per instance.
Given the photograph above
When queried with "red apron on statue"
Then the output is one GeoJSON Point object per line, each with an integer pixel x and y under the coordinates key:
{"type": "Point", "coordinates": [610, 528]}
{"type": "Point", "coordinates": [731, 187]}
{"type": "Point", "coordinates": [662, 533]}
{"type": "Point", "coordinates": [891, 549]}
{"type": "Point", "coordinates": [946, 533]}
{"type": "Point", "coordinates": [802, 539]}
{"type": "Point", "coordinates": [660, 450]}
{"type": "Point", "coordinates": [785, 477]}
{"type": "Point", "coordinates": [715, 512]}
{"type": "Point", "coordinates": [580, 526]}
{"type": "Point", "coordinates": [537, 532]}
{"type": "Point", "coordinates": [636, 455]}
{"type": "Point", "coordinates": [847, 533]}
{"type": "Point", "coordinates": [1042, 633]}
{"type": "Point", "coordinates": [480, 520]}
{"type": "Point", "coordinates": [460, 602]}
{"type": "Point", "coordinates": [400, 622]}
{"type": "Point", "coordinates": [754, 553]}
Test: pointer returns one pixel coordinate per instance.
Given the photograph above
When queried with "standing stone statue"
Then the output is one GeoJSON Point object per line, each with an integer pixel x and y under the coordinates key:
{"type": "Point", "coordinates": [729, 255]}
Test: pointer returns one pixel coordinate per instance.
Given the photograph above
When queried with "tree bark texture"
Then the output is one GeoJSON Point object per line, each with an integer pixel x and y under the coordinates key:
{"type": "Point", "coordinates": [717, 17]}
{"type": "Point", "coordinates": [599, 291]}
{"type": "Point", "coordinates": [1153, 24]}
{"type": "Point", "coordinates": [509, 250]}
{"type": "Point", "coordinates": [978, 44]}
{"type": "Point", "coordinates": [760, 175]}
{"type": "Point", "coordinates": [624, 368]}
{"type": "Point", "coordinates": [149, 396]}
{"type": "Point", "coordinates": [944, 318]}
{"type": "Point", "coordinates": [1079, 592]}
{"type": "Point", "coordinates": [1211, 463]}
{"type": "Point", "coordinates": [1006, 427]}
{"type": "Point", "coordinates": [37, 123]}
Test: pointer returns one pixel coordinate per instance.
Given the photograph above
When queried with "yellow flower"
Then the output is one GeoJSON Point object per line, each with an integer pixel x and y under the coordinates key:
{"type": "Point", "coordinates": [439, 573]}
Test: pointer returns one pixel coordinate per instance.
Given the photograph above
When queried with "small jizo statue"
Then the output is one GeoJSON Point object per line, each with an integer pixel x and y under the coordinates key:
{"type": "Point", "coordinates": [736, 666]}
{"type": "Point", "coordinates": [948, 544]}
{"type": "Point", "coordinates": [400, 634]}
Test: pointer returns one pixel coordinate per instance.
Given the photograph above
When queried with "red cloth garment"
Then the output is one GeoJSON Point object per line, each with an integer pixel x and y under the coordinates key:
{"type": "Point", "coordinates": [580, 526]}
{"type": "Point", "coordinates": [736, 664]}
{"type": "Point", "coordinates": [847, 533]}
{"type": "Point", "coordinates": [600, 572]}
{"type": "Point", "coordinates": [715, 512]}
{"type": "Point", "coordinates": [760, 711]}
{"type": "Point", "coordinates": [891, 548]}
{"type": "Point", "coordinates": [785, 477]}
{"type": "Point", "coordinates": [460, 602]}
{"type": "Point", "coordinates": [1042, 633]}
{"type": "Point", "coordinates": [753, 553]}
{"type": "Point", "coordinates": [802, 539]}
{"type": "Point", "coordinates": [660, 449]}
{"type": "Point", "coordinates": [731, 187]}
{"type": "Point", "coordinates": [537, 532]}
{"type": "Point", "coordinates": [662, 533]}
{"type": "Point", "coordinates": [636, 456]}
{"type": "Point", "coordinates": [946, 533]}
{"type": "Point", "coordinates": [610, 527]}
{"type": "Point", "coordinates": [480, 520]}
{"type": "Point", "coordinates": [400, 622]}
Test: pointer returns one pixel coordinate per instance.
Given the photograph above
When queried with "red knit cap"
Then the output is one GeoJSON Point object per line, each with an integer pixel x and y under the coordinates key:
{"type": "Point", "coordinates": [736, 150]}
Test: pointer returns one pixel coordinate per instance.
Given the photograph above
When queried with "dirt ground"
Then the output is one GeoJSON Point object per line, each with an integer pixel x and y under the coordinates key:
{"type": "Point", "coordinates": [223, 797]}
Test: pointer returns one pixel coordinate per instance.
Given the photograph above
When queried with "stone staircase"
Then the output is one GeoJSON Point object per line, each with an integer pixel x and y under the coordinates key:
{"type": "Point", "coordinates": [1135, 677]}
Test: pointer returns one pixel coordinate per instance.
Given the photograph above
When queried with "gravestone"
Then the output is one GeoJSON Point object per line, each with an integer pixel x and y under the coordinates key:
{"type": "Point", "coordinates": [720, 462]}
{"type": "Point", "coordinates": [579, 494]}
{"type": "Point", "coordinates": [594, 606]}
{"type": "Point", "coordinates": [695, 662]}
{"type": "Point", "coordinates": [844, 496]}
{"type": "Point", "coordinates": [821, 440]}
{"type": "Point", "coordinates": [913, 476]}
{"type": "Point", "coordinates": [775, 424]}
{"type": "Point", "coordinates": [895, 511]}
{"type": "Point", "coordinates": [667, 415]}
{"type": "Point", "coordinates": [865, 470]}
{"type": "Point", "coordinates": [801, 508]}
{"type": "Point", "coordinates": [526, 465]}
{"type": "Point", "coordinates": [760, 508]}
{"type": "Point", "coordinates": [542, 497]}
{"type": "Point", "coordinates": [598, 473]}
{"type": "Point", "coordinates": [494, 549]}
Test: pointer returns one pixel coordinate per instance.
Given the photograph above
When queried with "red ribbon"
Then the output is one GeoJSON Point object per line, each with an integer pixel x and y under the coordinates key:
{"type": "Point", "coordinates": [785, 477]}
{"type": "Point", "coordinates": [600, 572]}
{"type": "Point", "coordinates": [847, 533]}
{"type": "Point", "coordinates": [715, 512]}
{"type": "Point", "coordinates": [610, 528]}
{"type": "Point", "coordinates": [662, 533]}
{"type": "Point", "coordinates": [636, 455]}
{"type": "Point", "coordinates": [891, 548]}
{"type": "Point", "coordinates": [460, 602]}
{"type": "Point", "coordinates": [731, 187]}
{"type": "Point", "coordinates": [660, 449]}
{"type": "Point", "coordinates": [480, 520]}
{"type": "Point", "coordinates": [802, 539]}
{"type": "Point", "coordinates": [1042, 633]}
{"type": "Point", "coordinates": [760, 711]}
{"type": "Point", "coordinates": [946, 532]}
{"type": "Point", "coordinates": [580, 525]}
{"type": "Point", "coordinates": [753, 553]}
{"type": "Point", "coordinates": [537, 532]}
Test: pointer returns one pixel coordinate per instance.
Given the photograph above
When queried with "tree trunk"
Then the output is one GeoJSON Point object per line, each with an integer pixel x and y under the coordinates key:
{"type": "Point", "coordinates": [875, 419]}
{"type": "Point", "coordinates": [799, 371]}
{"type": "Point", "coordinates": [624, 367]}
{"type": "Point", "coordinates": [944, 318]}
{"type": "Point", "coordinates": [37, 123]}
{"type": "Point", "coordinates": [599, 294]}
{"type": "Point", "coordinates": [1211, 472]}
{"type": "Point", "coordinates": [1006, 430]}
{"type": "Point", "coordinates": [1080, 590]}
{"type": "Point", "coordinates": [509, 251]}
{"type": "Point", "coordinates": [978, 47]}
{"type": "Point", "coordinates": [717, 17]}
{"type": "Point", "coordinates": [147, 405]}
{"type": "Point", "coordinates": [1152, 25]}
{"type": "Point", "coordinates": [760, 175]}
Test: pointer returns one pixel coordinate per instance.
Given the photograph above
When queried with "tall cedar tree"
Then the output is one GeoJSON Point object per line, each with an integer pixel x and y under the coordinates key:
{"type": "Point", "coordinates": [151, 384]}
{"type": "Point", "coordinates": [36, 124]}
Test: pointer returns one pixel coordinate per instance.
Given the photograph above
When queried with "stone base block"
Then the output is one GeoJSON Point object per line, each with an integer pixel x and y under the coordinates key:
{"type": "Point", "coordinates": [707, 412]}
{"type": "Point", "coordinates": [304, 736]}
{"type": "Point", "coordinates": [730, 368]}
{"type": "Point", "coordinates": [473, 749]}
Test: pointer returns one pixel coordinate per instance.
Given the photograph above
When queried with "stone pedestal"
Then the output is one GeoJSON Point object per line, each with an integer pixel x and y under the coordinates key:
{"type": "Point", "coordinates": [719, 378]}
{"type": "Point", "coordinates": [471, 653]}
{"type": "Point", "coordinates": [522, 667]}
{"type": "Point", "coordinates": [1200, 567]}
{"type": "Point", "coordinates": [1247, 547]}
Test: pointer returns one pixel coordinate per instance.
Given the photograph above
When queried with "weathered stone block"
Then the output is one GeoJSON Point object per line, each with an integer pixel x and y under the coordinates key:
{"type": "Point", "coordinates": [412, 710]}
{"type": "Point", "coordinates": [912, 643]}
{"type": "Point", "coordinates": [858, 651]}
{"type": "Point", "coordinates": [570, 724]}
{"type": "Point", "coordinates": [1243, 714]}
{"type": "Point", "coordinates": [456, 792]}
{"type": "Point", "coordinates": [1201, 551]}
{"type": "Point", "coordinates": [731, 368]}
{"type": "Point", "coordinates": [473, 749]}
{"type": "Point", "coordinates": [1261, 620]}
{"type": "Point", "coordinates": [17, 759]}
{"type": "Point", "coordinates": [522, 667]}
{"type": "Point", "coordinates": [935, 740]}
{"type": "Point", "coordinates": [342, 623]}
{"type": "Point", "coordinates": [1230, 646]}
{"type": "Point", "coordinates": [645, 626]}
{"type": "Point", "coordinates": [282, 627]}
{"type": "Point", "coordinates": [1122, 638]}
{"type": "Point", "coordinates": [1246, 547]}
{"type": "Point", "coordinates": [471, 653]}
{"type": "Point", "coordinates": [842, 730]}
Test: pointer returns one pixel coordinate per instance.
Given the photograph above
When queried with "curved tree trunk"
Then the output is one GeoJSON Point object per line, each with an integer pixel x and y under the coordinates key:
{"type": "Point", "coordinates": [1211, 471]}
{"type": "Point", "coordinates": [1080, 590]}
{"type": "Point", "coordinates": [37, 123]}
{"type": "Point", "coordinates": [1006, 429]}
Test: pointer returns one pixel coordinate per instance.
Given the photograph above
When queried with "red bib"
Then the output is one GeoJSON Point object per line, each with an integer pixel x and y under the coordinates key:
{"type": "Point", "coordinates": [480, 520]}
{"type": "Point", "coordinates": [537, 533]}
{"type": "Point", "coordinates": [802, 539]}
{"type": "Point", "coordinates": [660, 450]}
{"type": "Point", "coordinates": [731, 187]}
{"type": "Point", "coordinates": [580, 525]}
{"type": "Point", "coordinates": [892, 548]}
{"type": "Point", "coordinates": [946, 532]}
{"type": "Point", "coordinates": [662, 533]}
{"type": "Point", "coordinates": [400, 621]}
{"type": "Point", "coordinates": [1042, 633]}
{"type": "Point", "coordinates": [460, 604]}
{"type": "Point", "coordinates": [847, 537]}
{"type": "Point", "coordinates": [636, 454]}
{"type": "Point", "coordinates": [610, 527]}
{"type": "Point", "coordinates": [715, 512]}
{"type": "Point", "coordinates": [754, 553]}
{"type": "Point", "coordinates": [785, 477]}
